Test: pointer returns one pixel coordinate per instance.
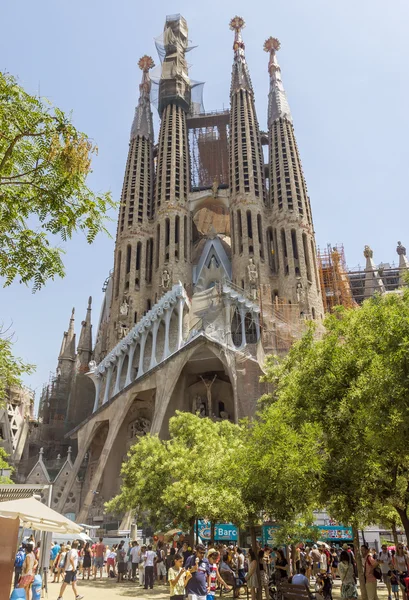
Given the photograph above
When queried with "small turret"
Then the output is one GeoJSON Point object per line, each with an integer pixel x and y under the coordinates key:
{"type": "Point", "coordinates": [67, 351]}
{"type": "Point", "coordinates": [403, 263]}
{"type": "Point", "coordinates": [373, 281]}
{"type": "Point", "coordinates": [84, 349]}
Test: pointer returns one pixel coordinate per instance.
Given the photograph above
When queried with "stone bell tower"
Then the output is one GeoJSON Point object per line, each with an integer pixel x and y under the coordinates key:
{"type": "Point", "coordinates": [291, 239]}
{"type": "Point", "coordinates": [247, 185]}
{"type": "Point", "coordinates": [132, 276]}
{"type": "Point", "coordinates": [171, 208]}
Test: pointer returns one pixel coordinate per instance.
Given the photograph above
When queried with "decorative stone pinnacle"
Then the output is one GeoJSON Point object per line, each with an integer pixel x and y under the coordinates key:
{"type": "Point", "coordinates": [89, 301]}
{"type": "Point", "coordinates": [146, 63]}
{"type": "Point", "coordinates": [72, 313]}
{"type": "Point", "coordinates": [368, 252]}
{"type": "Point", "coordinates": [401, 250]}
{"type": "Point", "coordinates": [237, 24]}
{"type": "Point", "coordinates": [272, 44]}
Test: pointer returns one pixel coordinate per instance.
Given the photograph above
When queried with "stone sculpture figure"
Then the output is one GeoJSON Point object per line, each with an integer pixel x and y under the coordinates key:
{"type": "Point", "coordinates": [124, 308]}
{"type": "Point", "coordinates": [253, 278]}
{"type": "Point", "coordinates": [165, 279]}
{"type": "Point", "coordinates": [92, 365]}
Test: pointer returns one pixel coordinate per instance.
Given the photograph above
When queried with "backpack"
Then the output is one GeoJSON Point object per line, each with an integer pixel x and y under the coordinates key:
{"type": "Point", "coordinates": [66, 559]}
{"type": "Point", "coordinates": [159, 556]}
{"type": "Point", "coordinates": [20, 558]}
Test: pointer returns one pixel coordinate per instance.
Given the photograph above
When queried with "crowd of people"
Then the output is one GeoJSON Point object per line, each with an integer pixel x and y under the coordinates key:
{"type": "Point", "coordinates": [198, 573]}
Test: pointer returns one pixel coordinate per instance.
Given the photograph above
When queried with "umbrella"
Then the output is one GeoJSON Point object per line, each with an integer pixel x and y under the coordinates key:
{"type": "Point", "coordinates": [323, 544]}
{"type": "Point", "coordinates": [172, 533]}
{"type": "Point", "coordinates": [36, 515]}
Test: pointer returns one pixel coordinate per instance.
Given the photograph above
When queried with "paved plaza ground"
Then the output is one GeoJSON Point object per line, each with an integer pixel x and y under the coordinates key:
{"type": "Point", "coordinates": [110, 590]}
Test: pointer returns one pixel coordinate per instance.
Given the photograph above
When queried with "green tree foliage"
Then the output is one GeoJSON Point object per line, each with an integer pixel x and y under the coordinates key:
{"type": "Point", "coordinates": [44, 163]}
{"type": "Point", "coordinates": [4, 465]}
{"type": "Point", "coordinates": [11, 368]}
{"type": "Point", "coordinates": [185, 477]}
{"type": "Point", "coordinates": [279, 469]}
{"type": "Point", "coordinates": [354, 384]}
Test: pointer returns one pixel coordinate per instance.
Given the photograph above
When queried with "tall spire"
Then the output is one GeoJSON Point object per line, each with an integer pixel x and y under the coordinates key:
{"type": "Point", "coordinates": [246, 157]}
{"type": "Point", "coordinates": [278, 106]}
{"type": "Point", "coordinates": [85, 341]}
{"type": "Point", "coordinates": [240, 78]}
{"type": "Point", "coordinates": [291, 242]}
{"type": "Point", "coordinates": [373, 280]}
{"type": "Point", "coordinates": [143, 124]}
{"type": "Point", "coordinates": [172, 183]}
{"type": "Point", "coordinates": [68, 344]}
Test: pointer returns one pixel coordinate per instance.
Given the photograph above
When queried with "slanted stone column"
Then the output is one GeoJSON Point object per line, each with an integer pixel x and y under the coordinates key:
{"type": "Point", "coordinates": [166, 350]}
{"type": "Point", "coordinates": [108, 384]}
{"type": "Point", "coordinates": [153, 362]}
{"type": "Point", "coordinates": [228, 318]}
{"type": "Point", "coordinates": [257, 323]}
{"type": "Point", "coordinates": [118, 373]}
{"type": "Point", "coordinates": [130, 361]}
{"type": "Point", "coordinates": [98, 382]}
{"type": "Point", "coordinates": [114, 426]}
{"type": "Point", "coordinates": [141, 353]}
{"type": "Point", "coordinates": [243, 326]}
{"type": "Point", "coordinates": [180, 322]}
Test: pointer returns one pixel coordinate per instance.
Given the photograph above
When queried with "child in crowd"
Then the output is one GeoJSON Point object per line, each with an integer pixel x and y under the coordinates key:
{"type": "Point", "coordinates": [178, 578]}
{"type": "Point", "coordinates": [214, 576]}
{"type": "Point", "coordinates": [394, 585]}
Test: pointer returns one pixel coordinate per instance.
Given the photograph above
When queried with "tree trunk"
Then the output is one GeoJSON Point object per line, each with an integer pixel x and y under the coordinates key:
{"type": "Point", "coordinates": [192, 531]}
{"type": "Point", "coordinates": [357, 552]}
{"type": "Point", "coordinates": [405, 520]}
{"type": "Point", "coordinates": [255, 550]}
{"type": "Point", "coordinates": [212, 533]}
{"type": "Point", "coordinates": [395, 535]}
{"type": "Point", "coordinates": [293, 565]}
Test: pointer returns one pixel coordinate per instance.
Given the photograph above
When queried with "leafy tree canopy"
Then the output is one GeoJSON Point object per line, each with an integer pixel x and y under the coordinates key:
{"type": "Point", "coordinates": [4, 465]}
{"type": "Point", "coordinates": [44, 163]}
{"type": "Point", "coordinates": [354, 383]}
{"type": "Point", "coordinates": [11, 368]}
{"type": "Point", "coordinates": [185, 477]}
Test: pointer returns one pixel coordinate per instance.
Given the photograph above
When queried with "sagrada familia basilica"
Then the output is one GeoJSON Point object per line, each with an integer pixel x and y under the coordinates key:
{"type": "Point", "coordinates": [215, 266]}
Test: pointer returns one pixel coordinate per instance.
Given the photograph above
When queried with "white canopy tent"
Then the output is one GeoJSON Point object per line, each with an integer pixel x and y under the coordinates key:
{"type": "Point", "coordinates": [36, 515]}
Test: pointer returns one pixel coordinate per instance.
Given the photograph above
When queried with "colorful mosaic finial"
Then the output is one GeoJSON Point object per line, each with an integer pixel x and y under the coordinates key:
{"type": "Point", "coordinates": [146, 63]}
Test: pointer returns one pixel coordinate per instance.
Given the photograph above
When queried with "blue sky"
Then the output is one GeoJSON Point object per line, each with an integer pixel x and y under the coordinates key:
{"type": "Point", "coordinates": [345, 69]}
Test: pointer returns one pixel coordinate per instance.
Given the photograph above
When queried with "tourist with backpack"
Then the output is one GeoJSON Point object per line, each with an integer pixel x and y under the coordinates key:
{"type": "Point", "coordinates": [385, 562]}
{"type": "Point", "coordinates": [18, 564]}
{"type": "Point", "coordinates": [71, 568]}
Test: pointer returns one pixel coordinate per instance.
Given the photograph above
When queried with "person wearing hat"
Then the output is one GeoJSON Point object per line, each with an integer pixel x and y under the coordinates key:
{"type": "Point", "coordinates": [199, 568]}
{"type": "Point", "coordinates": [316, 558]}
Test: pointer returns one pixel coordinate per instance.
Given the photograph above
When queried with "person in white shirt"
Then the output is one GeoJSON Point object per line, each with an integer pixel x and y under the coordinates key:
{"type": "Point", "coordinates": [142, 567]}
{"type": "Point", "coordinates": [385, 562]}
{"type": "Point", "coordinates": [71, 566]}
{"type": "Point", "coordinates": [150, 560]}
{"type": "Point", "coordinates": [135, 558]}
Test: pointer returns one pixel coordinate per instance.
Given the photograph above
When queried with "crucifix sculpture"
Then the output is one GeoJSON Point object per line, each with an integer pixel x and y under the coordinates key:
{"type": "Point", "coordinates": [208, 386]}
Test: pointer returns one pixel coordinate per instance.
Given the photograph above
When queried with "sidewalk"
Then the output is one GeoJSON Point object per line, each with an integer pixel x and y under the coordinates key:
{"type": "Point", "coordinates": [108, 589]}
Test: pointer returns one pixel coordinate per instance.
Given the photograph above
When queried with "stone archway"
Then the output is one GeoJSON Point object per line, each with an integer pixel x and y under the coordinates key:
{"type": "Point", "coordinates": [203, 369]}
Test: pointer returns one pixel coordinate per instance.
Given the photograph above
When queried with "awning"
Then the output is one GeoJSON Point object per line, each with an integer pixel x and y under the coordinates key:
{"type": "Point", "coordinates": [35, 515]}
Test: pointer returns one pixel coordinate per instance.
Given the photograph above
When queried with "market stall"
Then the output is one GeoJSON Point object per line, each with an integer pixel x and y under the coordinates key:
{"type": "Point", "coordinates": [30, 514]}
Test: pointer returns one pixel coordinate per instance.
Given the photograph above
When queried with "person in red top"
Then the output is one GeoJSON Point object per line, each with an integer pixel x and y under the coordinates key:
{"type": "Point", "coordinates": [99, 554]}
{"type": "Point", "coordinates": [368, 565]}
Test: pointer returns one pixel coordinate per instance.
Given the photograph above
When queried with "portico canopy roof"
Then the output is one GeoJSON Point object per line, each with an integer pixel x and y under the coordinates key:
{"type": "Point", "coordinates": [35, 515]}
